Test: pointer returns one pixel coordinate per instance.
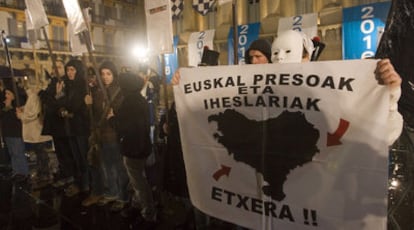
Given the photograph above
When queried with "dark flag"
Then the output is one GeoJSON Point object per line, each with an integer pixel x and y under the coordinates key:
{"type": "Point", "coordinates": [203, 6]}
{"type": "Point", "coordinates": [176, 8]}
{"type": "Point", "coordinates": [396, 44]}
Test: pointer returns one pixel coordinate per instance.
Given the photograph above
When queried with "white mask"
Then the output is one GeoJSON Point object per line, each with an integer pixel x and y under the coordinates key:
{"type": "Point", "coordinates": [288, 47]}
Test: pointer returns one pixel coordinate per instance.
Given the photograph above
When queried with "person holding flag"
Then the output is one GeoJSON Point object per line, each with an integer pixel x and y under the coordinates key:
{"type": "Point", "coordinates": [71, 111]}
{"type": "Point", "coordinates": [292, 47]}
{"type": "Point", "coordinates": [54, 126]}
{"type": "Point", "coordinates": [114, 172]}
{"type": "Point", "coordinates": [11, 130]}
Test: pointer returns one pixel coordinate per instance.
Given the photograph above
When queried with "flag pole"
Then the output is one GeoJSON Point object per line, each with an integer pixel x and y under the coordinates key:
{"type": "Point", "coordinates": [9, 62]}
{"type": "Point", "coordinates": [36, 18]}
{"type": "Point", "coordinates": [85, 37]}
{"type": "Point", "coordinates": [235, 33]}
{"type": "Point", "coordinates": [164, 82]}
{"type": "Point", "coordinates": [36, 64]}
{"type": "Point", "coordinates": [49, 48]}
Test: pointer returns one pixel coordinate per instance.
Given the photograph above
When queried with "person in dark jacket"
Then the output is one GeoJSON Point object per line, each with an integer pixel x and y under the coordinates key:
{"type": "Point", "coordinates": [131, 121]}
{"type": "Point", "coordinates": [70, 127]}
{"type": "Point", "coordinates": [11, 129]}
{"type": "Point", "coordinates": [70, 94]}
{"type": "Point", "coordinates": [110, 158]}
{"type": "Point", "coordinates": [259, 52]}
{"type": "Point", "coordinates": [175, 177]}
{"type": "Point", "coordinates": [54, 125]}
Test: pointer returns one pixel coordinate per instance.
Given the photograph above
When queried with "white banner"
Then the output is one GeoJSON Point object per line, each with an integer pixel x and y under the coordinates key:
{"type": "Point", "coordinates": [286, 146]}
{"type": "Point", "coordinates": [159, 26]}
{"type": "Point", "coordinates": [77, 46]}
{"type": "Point", "coordinates": [196, 44]}
{"type": "Point", "coordinates": [29, 23]}
{"type": "Point", "coordinates": [31, 31]}
{"type": "Point", "coordinates": [75, 16]}
{"type": "Point", "coordinates": [36, 13]}
{"type": "Point", "coordinates": [306, 23]}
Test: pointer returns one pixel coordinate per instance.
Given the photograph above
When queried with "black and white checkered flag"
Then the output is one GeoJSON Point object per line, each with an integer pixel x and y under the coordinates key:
{"type": "Point", "coordinates": [203, 6]}
{"type": "Point", "coordinates": [177, 6]}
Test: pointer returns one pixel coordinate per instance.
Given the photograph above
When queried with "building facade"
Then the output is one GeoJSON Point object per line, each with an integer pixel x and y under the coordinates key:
{"type": "Point", "coordinates": [116, 25]}
{"type": "Point", "coordinates": [113, 24]}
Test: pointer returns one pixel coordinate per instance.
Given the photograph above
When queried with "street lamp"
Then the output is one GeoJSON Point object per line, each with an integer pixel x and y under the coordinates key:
{"type": "Point", "coordinates": [140, 53]}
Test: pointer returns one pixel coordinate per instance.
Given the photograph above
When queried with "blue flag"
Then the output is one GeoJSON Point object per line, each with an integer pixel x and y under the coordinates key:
{"type": "Point", "coordinates": [246, 35]}
{"type": "Point", "coordinates": [362, 29]}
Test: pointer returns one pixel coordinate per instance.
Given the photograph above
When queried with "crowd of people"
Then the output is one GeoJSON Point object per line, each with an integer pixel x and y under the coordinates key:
{"type": "Point", "coordinates": [101, 126]}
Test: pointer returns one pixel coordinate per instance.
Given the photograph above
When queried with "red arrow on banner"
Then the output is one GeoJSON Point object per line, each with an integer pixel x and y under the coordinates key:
{"type": "Point", "coordinates": [333, 139]}
{"type": "Point", "coordinates": [225, 170]}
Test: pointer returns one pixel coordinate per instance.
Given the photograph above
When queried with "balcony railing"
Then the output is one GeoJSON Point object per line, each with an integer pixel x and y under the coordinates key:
{"type": "Point", "coordinates": [15, 4]}
{"type": "Point", "coordinates": [55, 9]}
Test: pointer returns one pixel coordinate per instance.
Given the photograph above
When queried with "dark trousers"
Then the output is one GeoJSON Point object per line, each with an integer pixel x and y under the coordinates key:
{"type": "Point", "coordinates": [64, 157]}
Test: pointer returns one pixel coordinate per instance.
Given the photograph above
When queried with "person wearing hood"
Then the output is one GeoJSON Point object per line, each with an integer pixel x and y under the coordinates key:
{"type": "Point", "coordinates": [259, 52]}
{"type": "Point", "coordinates": [11, 129]}
{"type": "Point", "coordinates": [54, 125]}
{"type": "Point", "coordinates": [109, 159]}
{"type": "Point", "coordinates": [131, 121]}
{"type": "Point", "coordinates": [71, 110]}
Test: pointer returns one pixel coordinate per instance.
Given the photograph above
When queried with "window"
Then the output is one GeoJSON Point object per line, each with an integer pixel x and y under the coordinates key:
{"type": "Point", "coordinates": [58, 35]}
{"type": "Point", "coordinates": [109, 37]}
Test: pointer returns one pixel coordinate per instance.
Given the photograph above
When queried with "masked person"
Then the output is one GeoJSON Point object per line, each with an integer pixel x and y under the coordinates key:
{"type": "Point", "coordinates": [292, 47]}
{"type": "Point", "coordinates": [295, 47]}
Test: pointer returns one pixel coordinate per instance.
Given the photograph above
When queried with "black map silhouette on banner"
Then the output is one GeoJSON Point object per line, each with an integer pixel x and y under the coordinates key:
{"type": "Point", "coordinates": [273, 147]}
